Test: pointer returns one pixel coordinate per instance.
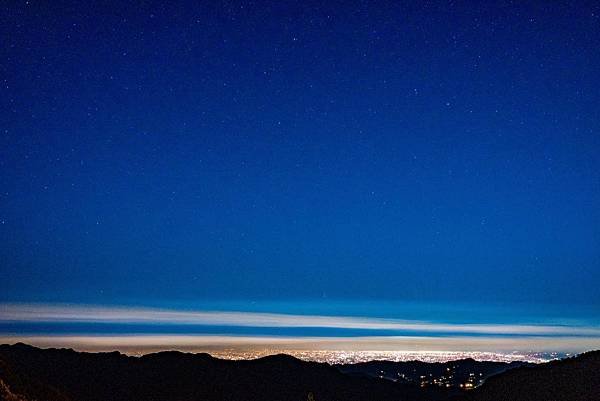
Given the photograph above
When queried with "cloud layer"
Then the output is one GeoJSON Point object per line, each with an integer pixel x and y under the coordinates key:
{"type": "Point", "coordinates": [102, 314]}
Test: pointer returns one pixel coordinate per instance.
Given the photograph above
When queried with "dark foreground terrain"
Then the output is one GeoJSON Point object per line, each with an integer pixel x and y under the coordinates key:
{"type": "Point", "coordinates": [28, 373]}
{"type": "Point", "coordinates": [464, 373]}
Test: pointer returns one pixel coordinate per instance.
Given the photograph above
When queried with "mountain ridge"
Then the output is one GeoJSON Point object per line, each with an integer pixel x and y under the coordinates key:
{"type": "Point", "coordinates": [28, 373]}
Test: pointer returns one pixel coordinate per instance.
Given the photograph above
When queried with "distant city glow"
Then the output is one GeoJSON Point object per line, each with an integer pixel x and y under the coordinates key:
{"type": "Point", "coordinates": [329, 349]}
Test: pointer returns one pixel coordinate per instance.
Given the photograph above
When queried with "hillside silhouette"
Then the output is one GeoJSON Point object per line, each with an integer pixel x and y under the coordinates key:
{"type": "Point", "coordinates": [572, 379]}
{"type": "Point", "coordinates": [28, 373]}
{"type": "Point", "coordinates": [457, 374]}
{"type": "Point", "coordinates": [66, 375]}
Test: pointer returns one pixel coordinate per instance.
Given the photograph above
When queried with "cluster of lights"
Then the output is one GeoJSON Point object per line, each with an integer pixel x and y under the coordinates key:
{"type": "Point", "coordinates": [347, 357]}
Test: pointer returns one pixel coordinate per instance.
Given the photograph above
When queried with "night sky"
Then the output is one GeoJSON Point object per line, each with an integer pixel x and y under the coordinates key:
{"type": "Point", "coordinates": [279, 152]}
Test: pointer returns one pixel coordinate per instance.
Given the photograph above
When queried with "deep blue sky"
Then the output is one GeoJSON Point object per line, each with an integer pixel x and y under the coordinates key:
{"type": "Point", "coordinates": [276, 151]}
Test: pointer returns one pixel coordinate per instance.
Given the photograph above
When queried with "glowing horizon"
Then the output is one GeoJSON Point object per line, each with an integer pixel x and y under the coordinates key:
{"type": "Point", "coordinates": [318, 348]}
{"type": "Point", "coordinates": [390, 335]}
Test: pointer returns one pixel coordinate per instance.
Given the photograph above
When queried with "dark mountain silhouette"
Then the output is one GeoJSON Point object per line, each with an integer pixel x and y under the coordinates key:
{"type": "Point", "coordinates": [573, 379]}
{"type": "Point", "coordinates": [28, 373]}
{"type": "Point", "coordinates": [460, 373]}
{"type": "Point", "coordinates": [65, 375]}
